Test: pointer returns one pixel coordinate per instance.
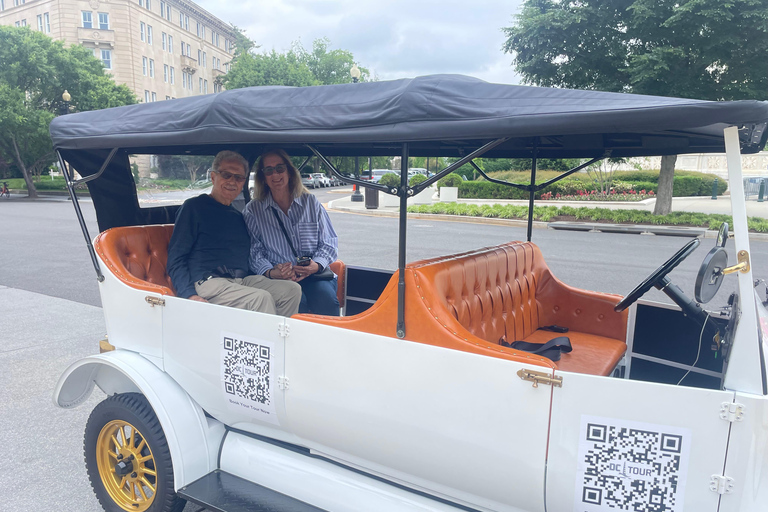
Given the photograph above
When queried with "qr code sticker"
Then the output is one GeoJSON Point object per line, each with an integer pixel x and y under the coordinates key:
{"type": "Point", "coordinates": [247, 367]}
{"type": "Point", "coordinates": [631, 466]}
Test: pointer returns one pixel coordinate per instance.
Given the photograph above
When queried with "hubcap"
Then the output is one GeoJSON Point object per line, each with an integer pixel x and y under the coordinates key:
{"type": "Point", "coordinates": [126, 466]}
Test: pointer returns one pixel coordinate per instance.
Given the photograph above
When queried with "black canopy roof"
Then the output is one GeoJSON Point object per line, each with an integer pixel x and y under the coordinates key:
{"type": "Point", "coordinates": [440, 115]}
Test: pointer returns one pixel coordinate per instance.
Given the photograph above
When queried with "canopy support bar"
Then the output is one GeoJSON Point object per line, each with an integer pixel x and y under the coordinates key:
{"type": "Point", "coordinates": [346, 179]}
{"type": "Point", "coordinates": [455, 165]}
{"type": "Point", "coordinates": [79, 212]}
{"type": "Point", "coordinates": [304, 163]}
{"type": "Point", "coordinates": [533, 188]}
{"type": "Point", "coordinates": [401, 246]}
{"type": "Point", "coordinates": [101, 171]}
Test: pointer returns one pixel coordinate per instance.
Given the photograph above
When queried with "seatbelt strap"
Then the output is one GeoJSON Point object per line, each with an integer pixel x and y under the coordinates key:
{"type": "Point", "coordinates": [551, 349]}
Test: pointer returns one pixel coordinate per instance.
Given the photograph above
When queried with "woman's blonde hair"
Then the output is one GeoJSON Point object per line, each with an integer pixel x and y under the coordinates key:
{"type": "Point", "coordinates": [295, 186]}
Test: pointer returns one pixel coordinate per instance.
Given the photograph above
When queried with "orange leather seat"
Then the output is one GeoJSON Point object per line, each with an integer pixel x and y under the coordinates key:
{"type": "Point", "coordinates": [471, 301]}
{"type": "Point", "coordinates": [137, 256]}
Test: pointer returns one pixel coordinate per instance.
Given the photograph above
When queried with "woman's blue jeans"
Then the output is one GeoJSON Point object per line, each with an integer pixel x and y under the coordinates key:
{"type": "Point", "coordinates": [319, 297]}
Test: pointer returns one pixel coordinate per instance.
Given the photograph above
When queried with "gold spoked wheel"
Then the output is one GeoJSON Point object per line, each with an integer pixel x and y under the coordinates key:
{"type": "Point", "coordinates": [126, 466]}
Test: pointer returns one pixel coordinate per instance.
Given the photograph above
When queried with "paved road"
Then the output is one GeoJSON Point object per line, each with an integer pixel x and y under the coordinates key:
{"type": "Point", "coordinates": [50, 316]}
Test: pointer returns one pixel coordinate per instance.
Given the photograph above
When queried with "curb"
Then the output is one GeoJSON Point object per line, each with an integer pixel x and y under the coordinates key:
{"type": "Point", "coordinates": [635, 229]}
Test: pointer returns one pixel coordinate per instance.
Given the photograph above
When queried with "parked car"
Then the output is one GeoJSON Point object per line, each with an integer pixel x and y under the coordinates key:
{"type": "Point", "coordinates": [474, 381]}
{"type": "Point", "coordinates": [376, 174]}
{"type": "Point", "coordinates": [309, 181]}
{"type": "Point", "coordinates": [321, 179]}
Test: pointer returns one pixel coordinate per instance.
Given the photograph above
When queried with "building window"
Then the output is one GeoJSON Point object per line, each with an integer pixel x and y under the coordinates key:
{"type": "Point", "coordinates": [183, 79]}
{"type": "Point", "coordinates": [151, 68]}
{"type": "Point", "coordinates": [170, 44]}
{"type": "Point", "coordinates": [18, 24]}
{"type": "Point", "coordinates": [165, 73]}
{"type": "Point", "coordinates": [205, 60]}
{"type": "Point", "coordinates": [149, 34]}
{"type": "Point", "coordinates": [47, 20]}
{"type": "Point", "coordinates": [189, 81]}
{"type": "Point", "coordinates": [154, 96]}
{"type": "Point", "coordinates": [103, 21]}
{"type": "Point", "coordinates": [189, 50]}
{"type": "Point", "coordinates": [149, 4]}
{"type": "Point", "coordinates": [162, 9]}
{"type": "Point", "coordinates": [198, 29]}
{"type": "Point", "coordinates": [146, 96]}
{"type": "Point", "coordinates": [40, 22]}
{"type": "Point", "coordinates": [199, 56]}
{"type": "Point", "coordinates": [164, 37]}
{"type": "Point", "coordinates": [203, 36]}
{"type": "Point", "coordinates": [173, 75]}
{"type": "Point", "coordinates": [205, 86]}
{"type": "Point", "coordinates": [144, 66]}
{"type": "Point", "coordinates": [186, 22]}
{"type": "Point", "coordinates": [142, 31]}
{"type": "Point", "coordinates": [200, 84]}
{"type": "Point", "coordinates": [167, 98]}
{"type": "Point", "coordinates": [168, 12]}
{"type": "Point", "coordinates": [87, 19]}
{"type": "Point", "coordinates": [24, 23]}
{"type": "Point", "coordinates": [183, 49]}
{"type": "Point", "coordinates": [181, 19]}
{"type": "Point", "coordinates": [106, 58]}
{"type": "Point", "coordinates": [217, 40]}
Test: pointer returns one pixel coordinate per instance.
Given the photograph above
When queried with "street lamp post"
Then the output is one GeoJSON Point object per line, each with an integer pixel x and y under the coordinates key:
{"type": "Point", "coordinates": [66, 97]}
{"type": "Point", "coordinates": [357, 197]}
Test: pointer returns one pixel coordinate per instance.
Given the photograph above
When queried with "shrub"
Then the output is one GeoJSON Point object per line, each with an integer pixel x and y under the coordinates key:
{"type": "Point", "coordinates": [416, 179]}
{"type": "Point", "coordinates": [390, 180]}
{"type": "Point", "coordinates": [452, 180]}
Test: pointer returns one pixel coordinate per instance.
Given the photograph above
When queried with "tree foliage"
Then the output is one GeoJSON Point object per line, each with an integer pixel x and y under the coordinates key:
{"type": "Point", "coordinates": [297, 67]}
{"type": "Point", "coordinates": [706, 49]}
{"type": "Point", "coordinates": [36, 71]}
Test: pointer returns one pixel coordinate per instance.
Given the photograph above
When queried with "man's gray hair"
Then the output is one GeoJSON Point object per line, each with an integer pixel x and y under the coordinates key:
{"type": "Point", "coordinates": [229, 156]}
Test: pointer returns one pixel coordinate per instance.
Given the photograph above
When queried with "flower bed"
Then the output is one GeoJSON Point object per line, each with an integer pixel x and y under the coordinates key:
{"type": "Point", "coordinates": [594, 195]}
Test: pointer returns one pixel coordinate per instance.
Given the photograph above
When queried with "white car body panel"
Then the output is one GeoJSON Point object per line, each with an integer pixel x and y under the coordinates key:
{"type": "Point", "coordinates": [193, 439]}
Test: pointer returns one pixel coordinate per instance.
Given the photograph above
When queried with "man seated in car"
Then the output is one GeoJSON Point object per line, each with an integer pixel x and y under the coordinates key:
{"type": "Point", "coordinates": [209, 249]}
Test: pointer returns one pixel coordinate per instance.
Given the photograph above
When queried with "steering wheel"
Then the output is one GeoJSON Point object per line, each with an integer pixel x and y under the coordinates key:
{"type": "Point", "coordinates": [657, 275]}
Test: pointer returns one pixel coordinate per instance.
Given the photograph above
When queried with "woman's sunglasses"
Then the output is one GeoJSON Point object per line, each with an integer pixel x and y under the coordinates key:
{"type": "Point", "coordinates": [279, 169]}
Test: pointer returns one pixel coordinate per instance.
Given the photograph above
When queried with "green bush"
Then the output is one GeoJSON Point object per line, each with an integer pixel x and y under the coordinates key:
{"type": "Point", "coordinates": [416, 179]}
{"type": "Point", "coordinates": [452, 180]}
{"type": "Point", "coordinates": [390, 180]}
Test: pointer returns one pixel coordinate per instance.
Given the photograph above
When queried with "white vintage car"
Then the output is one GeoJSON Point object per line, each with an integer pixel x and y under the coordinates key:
{"type": "Point", "coordinates": [422, 397]}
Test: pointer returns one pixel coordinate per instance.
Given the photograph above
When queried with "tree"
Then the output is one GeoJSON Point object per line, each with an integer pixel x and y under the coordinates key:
{"type": "Point", "coordinates": [603, 172]}
{"type": "Point", "coordinates": [35, 72]}
{"type": "Point", "coordinates": [296, 67]}
{"type": "Point", "coordinates": [706, 49]}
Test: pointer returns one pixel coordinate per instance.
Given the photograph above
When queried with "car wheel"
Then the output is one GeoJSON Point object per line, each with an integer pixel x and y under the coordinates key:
{"type": "Point", "coordinates": [127, 457]}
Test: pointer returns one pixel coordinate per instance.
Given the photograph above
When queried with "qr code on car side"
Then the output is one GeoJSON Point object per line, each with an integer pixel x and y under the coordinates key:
{"type": "Point", "coordinates": [247, 375]}
{"type": "Point", "coordinates": [631, 466]}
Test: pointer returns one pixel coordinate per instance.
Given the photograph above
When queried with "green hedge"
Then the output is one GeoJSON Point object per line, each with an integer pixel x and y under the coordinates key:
{"type": "Point", "coordinates": [686, 183]}
{"type": "Point", "coordinates": [390, 180]}
{"type": "Point", "coordinates": [451, 180]}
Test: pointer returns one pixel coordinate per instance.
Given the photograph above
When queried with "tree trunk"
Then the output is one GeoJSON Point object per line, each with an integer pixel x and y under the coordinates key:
{"type": "Point", "coordinates": [666, 181]}
{"type": "Point", "coordinates": [31, 189]}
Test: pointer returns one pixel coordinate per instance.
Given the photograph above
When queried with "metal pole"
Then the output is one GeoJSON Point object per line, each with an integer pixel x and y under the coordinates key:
{"type": "Point", "coordinates": [714, 190]}
{"type": "Point", "coordinates": [357, 196]}
{"type": "Point", "coordinates": [533, 189]}
{"type": "Point", "coordinates": [761, 194]}
{"type": "Point", "coordinates": [401, 246]}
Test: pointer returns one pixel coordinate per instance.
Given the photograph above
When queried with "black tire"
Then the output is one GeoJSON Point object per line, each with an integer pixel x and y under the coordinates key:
{"type": "Point", "coordinates": [141, 447]}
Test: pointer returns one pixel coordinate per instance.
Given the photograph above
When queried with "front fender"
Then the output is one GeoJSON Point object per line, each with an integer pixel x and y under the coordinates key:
{"type": "Point", "coordinates": [193, 439]}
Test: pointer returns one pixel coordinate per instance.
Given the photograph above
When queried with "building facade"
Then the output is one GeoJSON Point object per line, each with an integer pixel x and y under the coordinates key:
{"type": "Point", "coordinates": [160, 49]}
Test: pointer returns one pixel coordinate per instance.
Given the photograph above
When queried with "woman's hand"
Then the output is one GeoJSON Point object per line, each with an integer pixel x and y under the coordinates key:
{"type": "Point", "coordinates": [281, 271]}
{"type": "Point", "coordinates": [302, 272]}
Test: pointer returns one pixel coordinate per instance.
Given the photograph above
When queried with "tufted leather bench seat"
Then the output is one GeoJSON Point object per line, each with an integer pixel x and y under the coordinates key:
{"type": "Point", "coordinates": [137, 256]}
{"type": "Point", "coordinates": [471, 301]}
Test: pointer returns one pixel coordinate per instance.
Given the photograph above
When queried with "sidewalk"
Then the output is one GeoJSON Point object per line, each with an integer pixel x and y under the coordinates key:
{"type": "Point", "coordinates": [703, 204]}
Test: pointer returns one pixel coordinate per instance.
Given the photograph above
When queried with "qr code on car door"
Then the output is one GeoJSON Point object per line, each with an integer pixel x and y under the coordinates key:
{"type": "Point", "coordinates": [247, 372]}
{"type": "Point", "coordinates": [631, 466]}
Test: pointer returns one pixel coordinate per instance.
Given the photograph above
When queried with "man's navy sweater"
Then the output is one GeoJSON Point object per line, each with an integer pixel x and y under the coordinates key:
{"type": "Point", "coordinates": [207, 235]}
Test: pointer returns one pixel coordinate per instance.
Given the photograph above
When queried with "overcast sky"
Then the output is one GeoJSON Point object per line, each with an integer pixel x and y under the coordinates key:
{"type": "Point", "coordinates": [392, 38]}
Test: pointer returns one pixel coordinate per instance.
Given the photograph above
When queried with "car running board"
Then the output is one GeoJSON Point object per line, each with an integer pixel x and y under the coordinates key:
{"type": "Point", "coordinates": [220, 491]}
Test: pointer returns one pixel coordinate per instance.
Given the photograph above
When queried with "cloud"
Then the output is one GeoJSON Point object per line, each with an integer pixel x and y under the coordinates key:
{"type": "Point", "coordinates": [394, 39]}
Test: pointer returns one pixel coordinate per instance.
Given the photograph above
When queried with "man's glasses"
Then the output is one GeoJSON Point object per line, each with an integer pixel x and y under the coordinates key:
{"type": "Point", "coordinates": [226, 176]}
{"type": "Point", "coordinates": [279, 169]}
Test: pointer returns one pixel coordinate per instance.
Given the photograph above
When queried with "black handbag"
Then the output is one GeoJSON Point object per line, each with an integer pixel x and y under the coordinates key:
{"type": "Point", "coordinates": [324, 275]}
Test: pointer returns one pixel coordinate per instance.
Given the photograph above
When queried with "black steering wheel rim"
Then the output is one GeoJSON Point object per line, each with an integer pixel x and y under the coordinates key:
{"type": "Point", "coordinates": [657, 275]}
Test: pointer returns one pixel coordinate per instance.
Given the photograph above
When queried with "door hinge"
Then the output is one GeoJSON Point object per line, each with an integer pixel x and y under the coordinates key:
{"type": "Point", "coordinates": [730, 411]}
{"type": "Point", "coordinates": [283, 382]}
{"type": "Point", "coordinates": [154, 301]}
{"type": "Point", "coordinates": [721, 484]}
{"type": "Point", "coordinates": [283, 330]}
{"type": "Point", "coordinates": [540, 377]}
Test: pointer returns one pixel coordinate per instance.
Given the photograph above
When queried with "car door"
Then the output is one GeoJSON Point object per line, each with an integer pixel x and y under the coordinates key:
{"type": "Point", "coordinates": [453, 424]}
{"type": "Point", "coordinates": [619, 444]}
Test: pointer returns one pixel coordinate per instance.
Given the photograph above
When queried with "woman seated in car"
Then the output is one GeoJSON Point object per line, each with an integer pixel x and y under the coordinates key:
{"type": "Point", "coordinates": [291, 234]}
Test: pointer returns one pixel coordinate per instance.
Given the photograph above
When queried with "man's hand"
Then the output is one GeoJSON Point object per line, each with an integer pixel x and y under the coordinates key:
{"type": "Point", "coordinates": [197, 298]}
{"type": "Point", "coordinates": [281, 271]}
